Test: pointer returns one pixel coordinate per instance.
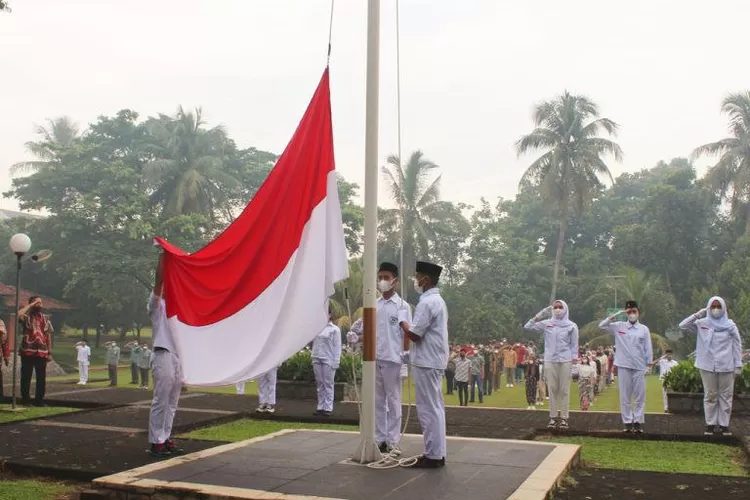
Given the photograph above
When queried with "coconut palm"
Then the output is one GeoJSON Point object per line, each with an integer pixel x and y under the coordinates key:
{"type": "Point", "coordinates": [187, 170]}
{"type": "Point", "coordinates": [57, 136]}
{"type": "Point", "coordinates": [423, 217]}
{"type": "Point", "coordinates": [730, 176]}
{"type": "Point", "coordinates": [568, 172]}
{"type": "Point", "coordinates": [347, 301]}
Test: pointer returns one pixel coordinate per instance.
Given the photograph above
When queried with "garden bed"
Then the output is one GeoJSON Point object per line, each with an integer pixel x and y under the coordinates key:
{"type": "Point", "coordinates": [690, 402]}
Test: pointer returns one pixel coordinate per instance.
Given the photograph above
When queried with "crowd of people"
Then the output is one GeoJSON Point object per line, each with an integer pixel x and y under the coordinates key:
{"type": "Point", "coordinates": [421, 342]}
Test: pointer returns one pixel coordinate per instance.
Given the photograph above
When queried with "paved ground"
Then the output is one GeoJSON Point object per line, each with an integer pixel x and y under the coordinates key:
{"type": "Point", "coordinates": [112, 438]}
{"type": "Point", "coordinates": [315, 463]}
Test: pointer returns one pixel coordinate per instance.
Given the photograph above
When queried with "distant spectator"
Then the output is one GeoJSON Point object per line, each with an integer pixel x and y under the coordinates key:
{"type": "Point", "coordinates": [112, 359]}
{"type": "Point", "coordinates": [83, 355]}
{"type": "Point", "coordinates": [36, 349]}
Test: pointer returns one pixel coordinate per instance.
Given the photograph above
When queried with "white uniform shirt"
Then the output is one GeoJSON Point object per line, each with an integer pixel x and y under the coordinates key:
{"type": "Point", "coordinates": [586, 371]}
{"type": "Point", "coordinates": [716, 350]}
{"type": "Point", "coordinates": [633, 347]}
{"type": "Point", "coordinates": [84, 353]}
{"type": "Point", "coordinates": [327, 346]}
{"type": "Point", "coordinates": [390, 336]}
{"type": "Point", "coordinates": [431, 324]}
{"type": "Point", "coordinates": [665, 366]}
{"type": "Point", "coordinates": [162, 334]}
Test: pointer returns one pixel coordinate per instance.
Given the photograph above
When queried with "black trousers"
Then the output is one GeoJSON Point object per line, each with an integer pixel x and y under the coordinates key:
{"type": "Point", "coordinates": [133, 373]}
{"type": "Point", "coordinates": [463, 393]}
{"type": "Point", "coordinates": [144, 377]}
{"type": "Point", "coordinates": [487, 381]}
{"type": "Point", "coordinates": [449, 380]}
{"type": "Point", "coordinates": [29, 366]}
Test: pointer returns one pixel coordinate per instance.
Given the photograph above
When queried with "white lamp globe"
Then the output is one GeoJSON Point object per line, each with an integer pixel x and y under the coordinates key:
{"type": "Point", "coordinates": [20, 244]}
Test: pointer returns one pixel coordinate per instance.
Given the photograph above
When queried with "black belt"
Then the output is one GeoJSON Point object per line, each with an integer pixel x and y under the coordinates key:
{"type": "Point", "coordinates": [157, 349]}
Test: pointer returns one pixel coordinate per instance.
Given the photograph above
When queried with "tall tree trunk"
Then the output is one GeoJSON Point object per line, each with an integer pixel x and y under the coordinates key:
{"type": "Point", "coordinates": [747, 219]}
{"type": "Point", "coordinates": [98, 335]}
{"type": "Point", "coordinates": [86, 333]}
{"type": "Point", "coordinates": [123, 333]}
{"type": "Point", "coordinates": [560, 248]}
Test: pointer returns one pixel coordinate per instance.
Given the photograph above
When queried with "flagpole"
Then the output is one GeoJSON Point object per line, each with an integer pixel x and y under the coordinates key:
{"type": "Point", "coordinates": [367, 451]}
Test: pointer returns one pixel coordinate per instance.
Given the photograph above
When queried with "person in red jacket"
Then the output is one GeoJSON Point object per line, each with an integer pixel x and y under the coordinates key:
{"type": "Point", "coordinates": [521, 360]}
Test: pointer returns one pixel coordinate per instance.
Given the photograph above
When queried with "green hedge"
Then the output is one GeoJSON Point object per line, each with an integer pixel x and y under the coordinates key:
{"type": "Point", "coordinates": [299, 368]}
{"type": "Point", "coordinates": [685, 377]}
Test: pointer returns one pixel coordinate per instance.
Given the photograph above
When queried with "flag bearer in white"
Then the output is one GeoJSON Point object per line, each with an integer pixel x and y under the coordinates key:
{"type": "Point", "coordinates": [167, 372]}
{"type": "Point", "coordinates": [84, 358]}
{"type": "Point", "coordinates": [326, 354]}
{"type": "Point", "coordinates": [633, 357]}
{"type": "Point", "coordinates": [718, 356]}
{"type": "Point", "coordinates": [429, 357]}
{"type": "Point", "coordinates": [267, 391]}
{"type": "Point", "coordinates": [390, 345]}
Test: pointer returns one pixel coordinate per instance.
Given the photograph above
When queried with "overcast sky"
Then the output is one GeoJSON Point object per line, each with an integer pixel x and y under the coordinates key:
{"type": "Point", "coordinates": [471, 72]}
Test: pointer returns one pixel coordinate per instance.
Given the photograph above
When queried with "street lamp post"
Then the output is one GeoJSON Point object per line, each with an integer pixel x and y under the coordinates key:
{"type": "Point", "coordinates": [20, 244]}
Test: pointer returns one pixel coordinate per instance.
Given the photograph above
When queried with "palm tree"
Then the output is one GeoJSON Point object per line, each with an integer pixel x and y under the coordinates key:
{"type": "Point", "coordinates": [187, 170]}
{"type": "Point", "coordinates": [57, 136]}
{"type": "Point", "coordinates": [567, 174]}
{"type": "Point", "coordinates": [730, 176]}
{"type": "Point", "coordinates": [347, 301]}
{"type": "Point", "coordinates": [420, 213]}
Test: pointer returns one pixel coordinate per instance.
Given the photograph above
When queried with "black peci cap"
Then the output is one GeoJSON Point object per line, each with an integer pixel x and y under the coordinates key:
{"type": "Point", "coordinates": [631, 304]}
{"type": "Point", "coordinates": [429, 269]}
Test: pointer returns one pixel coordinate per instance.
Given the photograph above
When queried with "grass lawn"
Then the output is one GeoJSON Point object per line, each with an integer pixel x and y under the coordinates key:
{"type": "Point", "coordinates": [11, 489]}
{"type": "Point", "coordinates": [248, 428]}
{"type": "Point", "coordinates": [30, 412]}
{"type": "Point", "coordinates": [658, 456]}
{"type": "Point", "coordinates": [514, 397]}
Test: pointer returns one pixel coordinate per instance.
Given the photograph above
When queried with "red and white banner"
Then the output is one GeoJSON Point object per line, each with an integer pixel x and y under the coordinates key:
{"type": "Point", "coordinates": [259, 292]}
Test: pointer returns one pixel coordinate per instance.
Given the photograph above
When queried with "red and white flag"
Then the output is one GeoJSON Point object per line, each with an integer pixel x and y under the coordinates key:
{"type": "Point", "coordinates": [259, 292]}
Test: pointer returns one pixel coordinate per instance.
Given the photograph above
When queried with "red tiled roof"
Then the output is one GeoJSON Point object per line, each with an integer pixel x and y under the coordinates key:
{"type": "Point", "coordinates": [8, 299]}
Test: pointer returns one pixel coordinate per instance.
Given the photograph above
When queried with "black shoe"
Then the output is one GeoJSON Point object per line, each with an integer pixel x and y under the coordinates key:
{"type": "Point", "coordinates": [638, 428]}
{"type": "Point", "coordinates": [324, 413]}
{"type": "Point", "coordinates": [172, 447]}
{"type": "Point", "coordinates": [40, 404]}
{"type": "Point", "coordinates": [159, 451]}
{"type": "Point", "coordinates": [383, 447]}
{"type": "Point", "coordinates": [724, 431]}
{"type": "Point", "coordinates": [628, 428]}
{"type": "Point", "coordinates": [428, 463]}
{"type": "Point", "coordinates": [317, 413]}
{"type": "Point", "coordinates": [563, 424]}
{"type": "Point", "coordinates": [709, 430]}
{"type": "Point", "coordinates": [552, 423]}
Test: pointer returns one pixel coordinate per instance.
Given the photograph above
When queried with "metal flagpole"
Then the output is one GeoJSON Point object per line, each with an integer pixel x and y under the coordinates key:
{"type": "Point", "coordinates": [367, 451]}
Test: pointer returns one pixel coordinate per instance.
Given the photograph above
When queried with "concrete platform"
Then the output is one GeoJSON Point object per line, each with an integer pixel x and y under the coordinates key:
{"type": "Point", "coordinates": [309, 464]}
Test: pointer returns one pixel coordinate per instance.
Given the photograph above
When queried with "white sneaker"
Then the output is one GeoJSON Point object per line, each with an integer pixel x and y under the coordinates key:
{"type": "Point", "coordinates": [529, 407]}
{"type": "Point", "coordinates": [270, 409]}
{"type": "Point", "coordinates": [261, 409]}
{"type": "Point", "coordinates": [512, 385]}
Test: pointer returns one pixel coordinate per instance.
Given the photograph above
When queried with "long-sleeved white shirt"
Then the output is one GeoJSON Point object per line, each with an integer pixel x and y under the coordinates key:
{"type": "Point", "coordinates": [390, 336]}
{"type": "Point", "coordinates": [560, 343]}
{"type": "Point", "coordinates": [632, 343]}
{"type": "Point", "coordinates": [161, 333]}
{"type": "Point", "coordinates": [715, 350]}
{"type": "Point", "coordinates": [327, 346]}
{"type": "Point", "coordinates": [431, 324]}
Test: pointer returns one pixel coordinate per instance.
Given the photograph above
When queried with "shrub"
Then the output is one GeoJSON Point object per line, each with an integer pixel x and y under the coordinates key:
{"type": "Point", "coordinates": [300, 368]}
{"type": "Point", "coordinates": [685, 377]}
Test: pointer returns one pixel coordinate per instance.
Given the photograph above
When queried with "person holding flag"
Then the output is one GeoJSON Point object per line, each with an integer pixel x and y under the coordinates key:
{"type": "Point", "coordinates": [167, 372]}
{"type": "Point", "coordinates": [428, 357]}
{"type": "Point", "coordinates": [391, 342]}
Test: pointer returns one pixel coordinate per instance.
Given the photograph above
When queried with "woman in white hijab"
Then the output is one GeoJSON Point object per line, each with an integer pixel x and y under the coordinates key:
{"type": "Point", "coordinates": [560, 351]}
{"type": "Point", "coordinates": [718, 356]}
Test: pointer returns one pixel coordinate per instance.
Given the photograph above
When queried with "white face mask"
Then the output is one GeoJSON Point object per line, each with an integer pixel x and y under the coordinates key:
{"type": "Point", "coordinates": [633, 317]}
{"type": "Point", "coordinates": [385, 286]}
{"type": "Point", "coordinates": [717, 313]}
{"type": "Point", "coordinates": [558, 313]}
{"type": "Point", "coordinates": [417, 287]}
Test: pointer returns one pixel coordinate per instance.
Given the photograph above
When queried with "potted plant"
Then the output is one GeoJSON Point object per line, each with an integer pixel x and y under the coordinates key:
{"type": "Point", "coordinates": [685, 390]}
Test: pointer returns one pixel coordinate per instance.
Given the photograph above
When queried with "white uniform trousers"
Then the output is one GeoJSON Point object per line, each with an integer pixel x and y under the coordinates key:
{"type": "Point", "coordinates": [267, 388]}
{"type": "Point", "coordinates": [718, 393]}
{"type": "Point", "coordinates": [324, 376]}
{"type": "Point", "coordinates": [167, 372]}
{"type": "Point", "coordinates": [83, 372]}
{"type": "Point", "coordinates": [558, 387]}
{"type": "Point", "coordinates": [664, 398]}
{"type": "Point", "coordinates": [632, 385]}
{"type": "Point", "coordinates": [428, 383]}
{"type": "Point", "coordinates": [240, 388]}
{"type": "Point", "coordinates": [387, 402]}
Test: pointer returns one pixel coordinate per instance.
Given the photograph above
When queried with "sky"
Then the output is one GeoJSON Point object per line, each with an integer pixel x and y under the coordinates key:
{"type": "Point", "coordinates": [471, 73]}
